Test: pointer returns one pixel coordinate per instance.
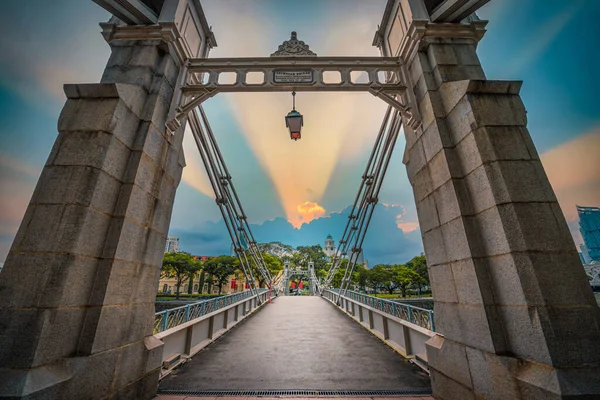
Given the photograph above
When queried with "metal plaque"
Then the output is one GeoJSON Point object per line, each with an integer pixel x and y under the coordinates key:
{"type": "Point", "coordinates": [297, 76]}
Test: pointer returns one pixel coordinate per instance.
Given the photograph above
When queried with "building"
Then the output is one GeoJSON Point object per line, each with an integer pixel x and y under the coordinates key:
{"type": "Point", "coordinates": [584, 254]}
{"type": "Point", "coordinates": [172, 244]}
{"type": "Point", "coordinates": [330, 251]}
{"type": "Point", "coordinates": [235, 283]}
{"type": "Point", "coordinates": [329, 246]}
{"type": "Point", "coordinates": [589, 226]}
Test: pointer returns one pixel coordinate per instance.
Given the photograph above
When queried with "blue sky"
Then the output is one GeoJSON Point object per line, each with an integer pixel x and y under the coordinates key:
{"type": "Point", "coordinates": [549, 44]}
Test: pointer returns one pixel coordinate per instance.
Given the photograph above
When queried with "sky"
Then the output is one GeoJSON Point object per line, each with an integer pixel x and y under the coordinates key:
{"type": "Point", "coordinates": [298, 192]}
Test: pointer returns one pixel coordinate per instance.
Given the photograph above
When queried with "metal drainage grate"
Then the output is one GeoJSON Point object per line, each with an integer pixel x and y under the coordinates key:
{"type": "Point", "coordinates": [256, 393]}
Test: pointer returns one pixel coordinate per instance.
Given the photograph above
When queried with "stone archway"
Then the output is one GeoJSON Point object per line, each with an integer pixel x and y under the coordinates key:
{"type": "Point", "coordinates": [518, 319]}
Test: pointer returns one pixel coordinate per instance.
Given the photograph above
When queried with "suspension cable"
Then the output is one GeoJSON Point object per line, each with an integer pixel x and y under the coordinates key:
{"type": "Point", "coordinates": [364, 204]}
{"type": "Point", "coordinates": [227, 200]}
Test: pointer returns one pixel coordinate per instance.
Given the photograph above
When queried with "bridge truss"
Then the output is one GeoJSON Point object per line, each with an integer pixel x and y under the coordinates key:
{"type": "Point", "coordinates": [383, 77]}
{"type": "Point", "coordinates": [295, 68]}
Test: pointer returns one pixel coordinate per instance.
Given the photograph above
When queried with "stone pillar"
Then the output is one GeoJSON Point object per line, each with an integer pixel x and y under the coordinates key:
{"type": "Point", "coordinates": [513, 307]}
{"type": "Point", "coordinates": [78, 289]}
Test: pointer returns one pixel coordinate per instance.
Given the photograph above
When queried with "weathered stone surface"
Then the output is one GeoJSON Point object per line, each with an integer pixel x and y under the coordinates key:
{"type": "Point", "coordinates": [492, 375]}
{"type": "Point", "coordinates": [101, 333]}
{"type": "Point", "coordinates": [447, 196]}
{"type": "Point", "coordinates": [421, 182]}
{"type": "Point", "coordinates": [467, 324]}
{"type": "Point", "coordinates": [442, 279]}
{"type": "Point", "coordinates": [134, 203]}
{"type": "Point", "coordinates": [433, 243]}
{"type": "Point", "coordinates": [63, 280]}
{"type": "Point", "coordinates": [103, 151]}
{"type": "Point", "coordinates": [80, 185]}
{"type": "Point", "coordinates": [54, 327]}
{"type": "Point", "coordinates": [154, 143]}
{"type": "Point", "coordinates": [68, 229]}
{"type": "Point", "coordinates": [143, 171]}
{"type": "Point", "coordinates": [448, 73]}
{"type": "Point", "coordinates": [98, 198]}
{"type": "Point", "coordinates": [450, 357]}
{"type": "Point", "coordinates": [428, 214]}
{"type": "Point", "coordinates": [417, 158]}
{"type": "Point", "coordinates": [441, 54]}
{"type": "Point", "coordinates": [105, 115]}
{"type": "Point", "coordinates": [122, 282]}
{"type": "Point", "coordinates": [493, 231]}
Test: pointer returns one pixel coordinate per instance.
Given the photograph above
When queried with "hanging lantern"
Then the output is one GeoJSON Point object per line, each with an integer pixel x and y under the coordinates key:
{"type": "Point", "coordinates": [233, 283]}
{"type": "Point", "coordinates": [247, 285]}
{"type": "Point", "coordinates": [294, 121]}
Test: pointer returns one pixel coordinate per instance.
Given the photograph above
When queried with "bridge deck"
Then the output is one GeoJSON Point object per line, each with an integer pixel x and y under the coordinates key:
{"type": "Point", "coordinates": [297, 343]}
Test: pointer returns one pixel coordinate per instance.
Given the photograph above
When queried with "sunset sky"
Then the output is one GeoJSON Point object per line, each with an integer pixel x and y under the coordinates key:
{"type": "Point", "coordinates": [298, 192]}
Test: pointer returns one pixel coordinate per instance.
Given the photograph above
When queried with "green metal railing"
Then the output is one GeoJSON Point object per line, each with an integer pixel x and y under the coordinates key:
{"type": "Point", "coordinates": [179, 315]}
{"type": "Point", "coordinates": [416, 315]}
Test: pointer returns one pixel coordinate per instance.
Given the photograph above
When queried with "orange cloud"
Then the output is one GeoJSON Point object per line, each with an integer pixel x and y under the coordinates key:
{"type": "Point", "coordinates": [307, 211]}
{"type": "Point", "coordinates": [573, 169]}
{"type": "Point", "coordinates": [405, 226]}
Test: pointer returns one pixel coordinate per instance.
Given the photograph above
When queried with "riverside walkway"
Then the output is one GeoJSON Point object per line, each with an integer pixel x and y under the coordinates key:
{"type": "Point", "coordinates": [297, 343]}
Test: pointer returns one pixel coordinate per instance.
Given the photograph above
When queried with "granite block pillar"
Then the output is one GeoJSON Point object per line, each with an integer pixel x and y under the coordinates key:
{"type": "Point", "coordinates": [513, 307]}
{"type": "Point", "coordinates": [78, 287]}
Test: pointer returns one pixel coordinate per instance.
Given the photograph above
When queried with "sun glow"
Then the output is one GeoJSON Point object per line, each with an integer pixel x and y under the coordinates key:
{"type": "Point", "coordinates": [338, 126]}
{"type": "Point", "coordinates": [307, 211]}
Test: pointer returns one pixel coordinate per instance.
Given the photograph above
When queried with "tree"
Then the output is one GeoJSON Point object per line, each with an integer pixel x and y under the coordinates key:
{"type": "Point", "coordinates": [403, 277]}
{"type": "Point", "coordinates": [201, 283]}
{"type": "Point", "coordinates": [362, 276]}
{"type": "Point", "coordinates": [220, 269]}
{"type": "Point", "coordinates": [379, 277]}
{"type": "Point", "coordinates": [419, 265]}
{"type": "Point", "coordinates": [314, 253]}
{"type": "Point", "coordinates": [336, 281]}
{"type": "Point", "coordinates": [178, 265]}
{"type": "Point", "coordinates": [273, 264]}
{"type": "Point", "coordinates": [193, 270]}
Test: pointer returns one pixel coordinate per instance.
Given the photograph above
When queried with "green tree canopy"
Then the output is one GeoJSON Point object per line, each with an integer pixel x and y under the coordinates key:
{"type": "Point", "coordinates": [221, 268]}
{"type": "Point", "coordinates": [179, 265]}
{"type": "Point", "coordinates": [403, 277]}
{"type": "Point", "coordinates": [313, 253]}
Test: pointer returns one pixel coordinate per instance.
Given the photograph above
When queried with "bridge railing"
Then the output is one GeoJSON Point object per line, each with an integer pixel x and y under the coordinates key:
{"type": "Point", "coordinates": [173, 317]}
{"type": "Point", "coordinates": [415, 315]}
{"type": "Point", "coordinates": [191, 328]}
{"type": "Point", "coordinates": [403, 327]}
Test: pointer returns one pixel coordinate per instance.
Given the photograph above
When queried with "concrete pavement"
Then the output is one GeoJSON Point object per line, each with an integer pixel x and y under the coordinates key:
{"type": "Point", "coordinates": [297, 343]}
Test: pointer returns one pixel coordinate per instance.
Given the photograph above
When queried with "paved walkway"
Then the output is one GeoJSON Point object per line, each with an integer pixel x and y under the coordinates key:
{"type": "Point", "coordinates": [297, 343]}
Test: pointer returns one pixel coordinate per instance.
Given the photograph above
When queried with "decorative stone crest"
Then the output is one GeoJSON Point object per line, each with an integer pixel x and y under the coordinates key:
{"type": "Point", "coordinates": [293, 47]}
